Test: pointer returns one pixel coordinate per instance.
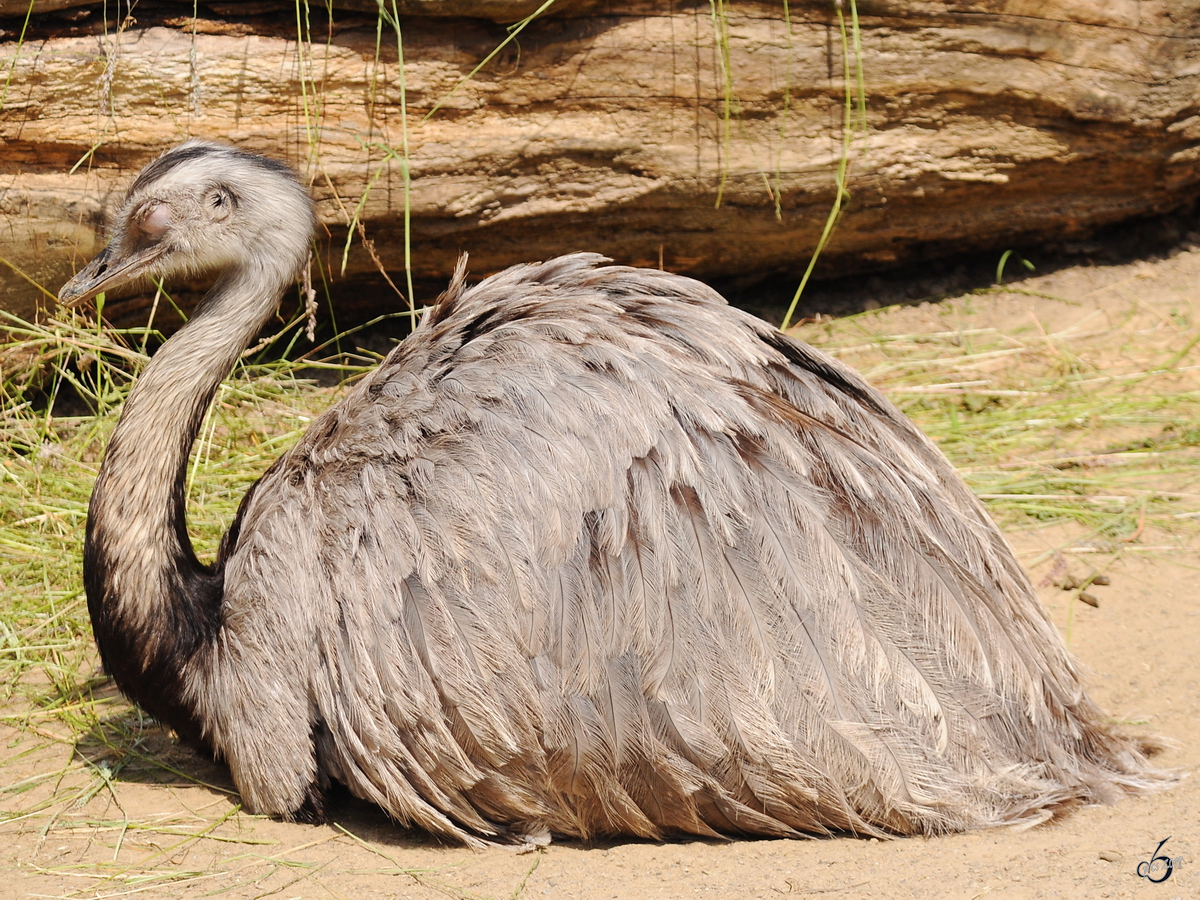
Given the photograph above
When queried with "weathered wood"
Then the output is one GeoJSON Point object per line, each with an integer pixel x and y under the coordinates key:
{"type": "Point", "coordinates": [991, 122]}
{"type": "Point", "coordinates": [496, 10]}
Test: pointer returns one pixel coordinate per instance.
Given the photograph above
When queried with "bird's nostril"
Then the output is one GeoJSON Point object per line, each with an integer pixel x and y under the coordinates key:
{"type": "Point", "coordinates": [102, 269]}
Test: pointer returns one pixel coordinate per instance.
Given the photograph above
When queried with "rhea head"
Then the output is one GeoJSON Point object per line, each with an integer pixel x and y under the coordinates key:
{"type": "Point", "coordinates": [204, 207]}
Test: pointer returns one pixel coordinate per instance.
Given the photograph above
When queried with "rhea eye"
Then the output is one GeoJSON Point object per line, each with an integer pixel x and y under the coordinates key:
{"type": "Point", "coordinates": [222, 199]}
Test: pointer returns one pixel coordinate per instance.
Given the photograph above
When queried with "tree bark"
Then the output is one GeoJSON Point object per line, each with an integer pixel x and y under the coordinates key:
{"type": "Point", "coordinates": [654, 133]}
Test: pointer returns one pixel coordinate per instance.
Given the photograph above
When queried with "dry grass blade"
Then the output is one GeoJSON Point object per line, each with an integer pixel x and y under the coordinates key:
{"type": "Point", "coordinates": [73, 745]}
{"type": "Point", "coordinates": [1089, 424]}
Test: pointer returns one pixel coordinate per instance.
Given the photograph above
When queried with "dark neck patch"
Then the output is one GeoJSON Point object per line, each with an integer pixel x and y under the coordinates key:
{"type": "Point", "coordinates": [147, 660]}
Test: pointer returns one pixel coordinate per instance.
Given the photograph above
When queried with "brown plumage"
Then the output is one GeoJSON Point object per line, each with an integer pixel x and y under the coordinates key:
{"type": "Point", "coordinates": [591, 553]}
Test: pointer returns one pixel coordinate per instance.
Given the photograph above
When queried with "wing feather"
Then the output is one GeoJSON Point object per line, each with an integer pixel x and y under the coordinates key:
{"type": "Point", "coordinates": [592, 552]}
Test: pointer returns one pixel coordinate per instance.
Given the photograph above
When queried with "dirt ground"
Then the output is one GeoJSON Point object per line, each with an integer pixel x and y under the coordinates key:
{"type": "Point", "coordinates": [1141, 645]}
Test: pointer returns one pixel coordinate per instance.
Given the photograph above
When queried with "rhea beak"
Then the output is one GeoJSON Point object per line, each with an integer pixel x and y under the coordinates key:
{"type": "Point", "coordinates": [111, 267]}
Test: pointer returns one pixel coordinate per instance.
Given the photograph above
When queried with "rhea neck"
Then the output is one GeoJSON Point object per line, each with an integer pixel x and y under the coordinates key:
{"type": "Point", "coordinates": [153, 604]}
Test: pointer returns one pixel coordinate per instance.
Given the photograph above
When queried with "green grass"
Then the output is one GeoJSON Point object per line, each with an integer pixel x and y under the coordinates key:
{"type": "Point", "coordinates": [50, 460]}
{"type": "Point", "coordinates": [67, 734]}
{"type": "Point", "coordinates": [854, 125]}
{"type": "Point", "coordinates": [1084, 426]}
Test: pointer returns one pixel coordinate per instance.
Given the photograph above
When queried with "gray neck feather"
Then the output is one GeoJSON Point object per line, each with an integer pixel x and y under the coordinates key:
{"type": "Point", "coordinates": [137, 509]}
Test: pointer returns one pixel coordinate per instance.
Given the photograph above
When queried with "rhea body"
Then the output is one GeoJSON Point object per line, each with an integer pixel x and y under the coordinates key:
{"type": "Point", "coordinates": [589, 553]}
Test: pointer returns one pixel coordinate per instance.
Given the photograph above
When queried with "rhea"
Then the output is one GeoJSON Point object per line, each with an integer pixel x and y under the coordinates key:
{"type": "Point", "coordinates": [589, 553]}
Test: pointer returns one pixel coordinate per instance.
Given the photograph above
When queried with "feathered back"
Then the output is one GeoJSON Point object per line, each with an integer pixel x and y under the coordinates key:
{"type": "Point", "coordinates": [593, 552]}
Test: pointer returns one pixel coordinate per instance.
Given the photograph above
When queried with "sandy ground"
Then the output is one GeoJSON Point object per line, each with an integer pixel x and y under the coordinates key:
{"type": "Point", "coordinates": [1141, 645]}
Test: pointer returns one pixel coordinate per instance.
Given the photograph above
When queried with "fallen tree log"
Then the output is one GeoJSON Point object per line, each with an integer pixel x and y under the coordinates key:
{"type": "Point", "coordinates": [707, 144]}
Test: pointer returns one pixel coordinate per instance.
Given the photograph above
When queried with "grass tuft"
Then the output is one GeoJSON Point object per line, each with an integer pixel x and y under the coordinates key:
{"type": "Point", "coordinates": [1092, 424]}
{"type": "Point", "coordinates": [68, 736]}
